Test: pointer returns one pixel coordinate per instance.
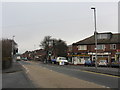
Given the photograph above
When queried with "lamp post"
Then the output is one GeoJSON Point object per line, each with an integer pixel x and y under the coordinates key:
{"type": "Point", "coordinates": [13, 48]}
{"type": "Point", "coordinates": [95, 34]}
{"type": "Point", "coordinates": [34, 52]}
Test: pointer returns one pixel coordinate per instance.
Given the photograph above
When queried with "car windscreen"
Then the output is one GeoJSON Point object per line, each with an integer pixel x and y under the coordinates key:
{"type": "Point", "coordinates": [62, 58]}
{"type": "Point", "coordinates": [103, 61]}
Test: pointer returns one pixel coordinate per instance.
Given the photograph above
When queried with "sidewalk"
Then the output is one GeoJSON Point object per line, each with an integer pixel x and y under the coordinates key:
{"type": "Point", "coordinates": [16, 67]}
{"type": "Point", "coordinates": [15, 77]}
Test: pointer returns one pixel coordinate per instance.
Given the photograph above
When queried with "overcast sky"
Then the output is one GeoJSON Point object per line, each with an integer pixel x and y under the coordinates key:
{"type": "Point", "coordinates": [69, 21]}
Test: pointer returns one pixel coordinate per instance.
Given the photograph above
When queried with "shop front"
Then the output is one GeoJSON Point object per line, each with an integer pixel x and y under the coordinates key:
{"type": "Point", "coordinates": [101, 56]}
{"type": "Point", "coordinates": [80, 59]}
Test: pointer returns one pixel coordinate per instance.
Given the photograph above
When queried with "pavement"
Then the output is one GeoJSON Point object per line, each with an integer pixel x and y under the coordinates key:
{"type": "Point", "coordinates": [15, 77]}
{"type": "Point", "coordinates": [16, 67]}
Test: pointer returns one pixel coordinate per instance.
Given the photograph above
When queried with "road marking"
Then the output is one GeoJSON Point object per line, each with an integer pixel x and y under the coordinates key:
{"type": "Point", "coordinates": [51, 70]}
{"type": "Point", "coordinates": [25, 68]}
{"type": "Point", "coordinates": [100, 74]}
{"type": "Point", "coordinates": [107, 87]}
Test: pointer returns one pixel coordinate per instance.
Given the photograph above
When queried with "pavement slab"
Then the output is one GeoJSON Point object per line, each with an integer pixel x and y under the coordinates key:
{"type": "Point", "coordinates": [15, 77]}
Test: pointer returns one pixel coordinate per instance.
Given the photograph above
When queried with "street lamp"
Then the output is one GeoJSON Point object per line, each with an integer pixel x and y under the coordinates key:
{"type": "Point", "coordinates": [13, 48]}
{"type": "Point", "coordinates": [95, 33]}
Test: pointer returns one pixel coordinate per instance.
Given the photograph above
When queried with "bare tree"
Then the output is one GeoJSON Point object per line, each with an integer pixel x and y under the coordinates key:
{"type": "Point", "coordinates": [54, 47]}
{"type": "Point", "coordinates": [61, 48]}
{"type": "Point", "coordinates": [46, 42]}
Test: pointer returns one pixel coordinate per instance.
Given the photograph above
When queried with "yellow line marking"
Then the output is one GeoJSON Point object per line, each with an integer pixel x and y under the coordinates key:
{"type": "Point", "coordinates": [100, 74]}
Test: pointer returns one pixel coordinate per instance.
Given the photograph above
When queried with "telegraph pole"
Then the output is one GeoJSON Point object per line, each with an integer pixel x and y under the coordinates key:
{"type": "Point", "coordinates": [95, 34]}
{"type": "Point", "coordinates": [13, 48]}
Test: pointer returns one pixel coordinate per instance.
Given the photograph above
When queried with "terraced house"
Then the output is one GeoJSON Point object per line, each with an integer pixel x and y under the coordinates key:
{"type": "Point", "coordinates": [108, 48]}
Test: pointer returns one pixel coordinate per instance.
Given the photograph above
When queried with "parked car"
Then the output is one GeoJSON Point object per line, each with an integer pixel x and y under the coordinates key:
{"type": "Point", "coordinates": [115, 64]}
{"type": "Point", "coordinates": [89, 63]}
{"type": "Point", "coordinates": [103, 63]}
{"type": "Point", "coordinates": [18, 58]}
{"type": "Point", "coordinates": [24, 59]}
{"type": "Point", "coordinates": [53, 61]}
{"type": "Point", "coordinates": [61, 61]}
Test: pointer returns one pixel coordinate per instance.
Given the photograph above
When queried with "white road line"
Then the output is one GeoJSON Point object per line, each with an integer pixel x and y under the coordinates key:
{"type": "Point", "coordinates": [25, 68]}
{"type": "Point", "coordinates": [51, 70]}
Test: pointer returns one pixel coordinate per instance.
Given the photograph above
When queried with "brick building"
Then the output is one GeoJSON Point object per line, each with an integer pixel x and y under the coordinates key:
{"type": "Point", "coordinates": [108, 48]}
{"type": "Point", "coordinates": [34, 55]}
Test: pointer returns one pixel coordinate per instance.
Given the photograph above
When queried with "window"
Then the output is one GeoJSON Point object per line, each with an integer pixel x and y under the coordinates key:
{"type": "Point", "coordinates": [103, 36]}
{"type": "Point", "coordinates": [112, 46]}
{"type": "Point", "coordinates": [82, 47]}
{"type": "Point", "coordinates": [100, 47]}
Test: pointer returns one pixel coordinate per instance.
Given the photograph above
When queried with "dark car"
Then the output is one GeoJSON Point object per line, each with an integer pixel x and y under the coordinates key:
{"type": "Point", "coordinates": [53, 61]}
{"type": "Point", "coordinates": [115, 64]}
{"type": "Point", "coordinates": [89, 63]}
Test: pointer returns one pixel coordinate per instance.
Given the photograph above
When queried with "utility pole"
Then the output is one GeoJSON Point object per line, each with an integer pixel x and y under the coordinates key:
{"type": "Point", "coordinates": [13, 48]}
{"type": "Point", "coordinates": [95, 34]}
{"type": "Point", "coordinates": [34, 52]}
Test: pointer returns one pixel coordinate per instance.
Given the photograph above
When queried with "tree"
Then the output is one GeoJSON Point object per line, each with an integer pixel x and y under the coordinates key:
{"type": "Point", "coordinates": [46, 42]}
{"type": "Point", "coordinates": [61, 48]}
{"type": "Point", "coordinates": [54, 47]}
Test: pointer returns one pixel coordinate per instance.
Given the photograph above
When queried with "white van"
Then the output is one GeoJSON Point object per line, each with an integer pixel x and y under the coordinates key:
{"type": "Point", "coordinates": [61, 60]}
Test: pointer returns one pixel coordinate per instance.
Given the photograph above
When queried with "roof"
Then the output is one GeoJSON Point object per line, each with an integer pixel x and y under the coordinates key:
{"type": "Point", "coordinates": [91, 41]}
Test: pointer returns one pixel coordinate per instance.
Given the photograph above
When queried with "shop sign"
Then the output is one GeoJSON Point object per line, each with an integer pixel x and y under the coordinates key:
{"type": "Point", "coordinates": [83, 55]}
{"type": "Point", "coordinates": [105, 53]}
{"type": "Point", "coordinates": [118, 50]}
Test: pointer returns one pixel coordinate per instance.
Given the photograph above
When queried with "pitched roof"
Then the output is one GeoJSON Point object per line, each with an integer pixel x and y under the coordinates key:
{"type": "Point", "coordinates": [115, 39]}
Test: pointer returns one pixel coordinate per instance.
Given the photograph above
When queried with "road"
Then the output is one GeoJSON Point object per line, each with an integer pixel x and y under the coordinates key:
{"type": "Point", "coordinates": [108, 81]}
{"type": "Point", "coordinates": [101, 79]}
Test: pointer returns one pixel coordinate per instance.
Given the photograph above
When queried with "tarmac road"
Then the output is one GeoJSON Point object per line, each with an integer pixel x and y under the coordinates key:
{"type": "Point", "coordinates": [43, 76]}
{"type": "Point", "coordinates": [106, 80]}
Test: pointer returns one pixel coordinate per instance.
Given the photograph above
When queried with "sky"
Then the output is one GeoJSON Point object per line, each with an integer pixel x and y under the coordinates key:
{"type": "Point", "coordinates": [71, 21]}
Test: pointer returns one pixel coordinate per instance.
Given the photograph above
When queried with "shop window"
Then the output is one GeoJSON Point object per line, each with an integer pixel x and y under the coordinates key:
{"type": "Point", "coordinates": [112, 46]}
